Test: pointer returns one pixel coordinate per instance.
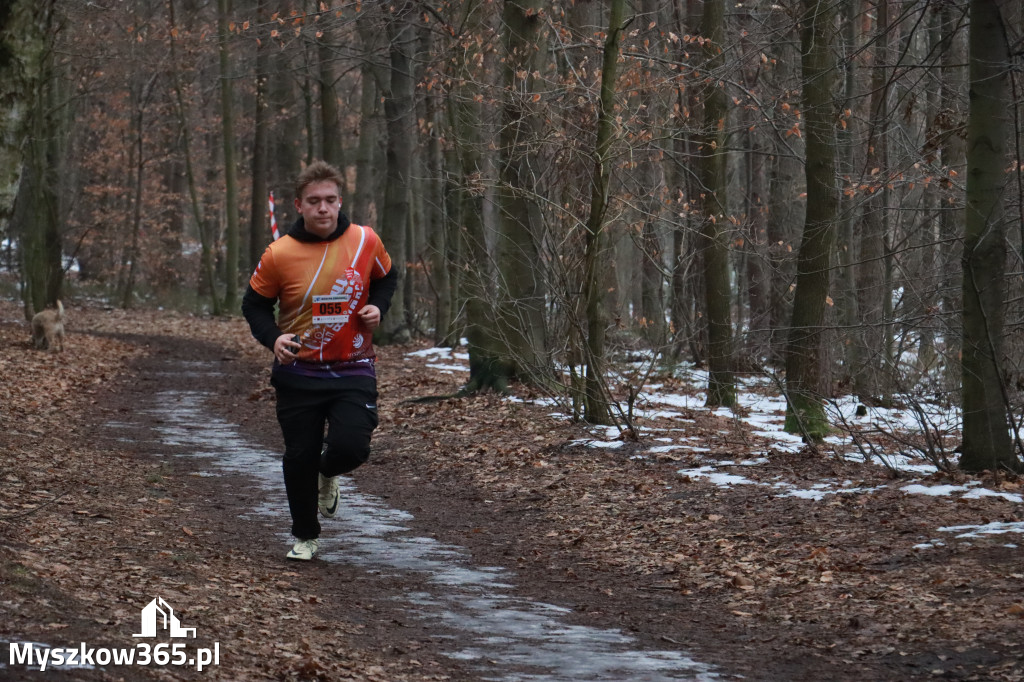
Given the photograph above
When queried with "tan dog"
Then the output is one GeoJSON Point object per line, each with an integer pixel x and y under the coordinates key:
{"type": "Point", "coordinates": [48, 329]}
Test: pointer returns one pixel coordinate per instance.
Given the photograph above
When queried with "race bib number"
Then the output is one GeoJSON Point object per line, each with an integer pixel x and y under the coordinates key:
{"type": "Point", "coordinates": [331, 309]}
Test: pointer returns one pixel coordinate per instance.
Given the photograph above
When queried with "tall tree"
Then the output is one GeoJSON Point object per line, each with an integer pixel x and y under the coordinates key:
{"type": "Point", "coordinates": [650, 107]}
{"type": "Point", "coordinates": [596, 402]}
{"type": "Point", "coordinates": [25, 44]}
{"type": "Point", "coordinates": [140, 95]}
{"type": "Point", "coordinates": [785, 216]}
{"type": "Point", "coordinates": [370, 149]}
{"type": "Point", "coordinates": [203, 227]}
{"type": "Point", "coordinates": [685, 281]}
{"type": "Point", "coordinates": [805, 412]}
{"type": "Point", "coordinates": [232, 266]}
{"type": "Point", "coordinates": [986, 430]}
{"type": "Point", "coordinates": [401, 130]}
{"type": "Point", "coordinates": [952, 156]}
{"type": "Point", "coordinates": [330, 123]}
{"type": "Point", "coordinates": [850, 159]}
{"type": "Point", "coordinates": [754, 194]}
{"type": "Point", "coordinates": [488, 366]}
{"type": "Point", "coordinates": [37, 206]}
{"type": "Point", "coordinates": [870, 358]}
{"type": "Point", "coordinates": [259, 230]}
{"type": "Point", "coordinates": [433, 198]}
{"type": "Point", "coordinates": [521, 280]}
{"type": "Point", "coordinates": [714, 218]}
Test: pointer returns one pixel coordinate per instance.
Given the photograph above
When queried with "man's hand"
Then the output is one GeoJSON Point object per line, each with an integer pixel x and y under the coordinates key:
{"type": "Point", "coordinates": [369, 315]}
{"type": "Point", "coordinates": [285, 349]}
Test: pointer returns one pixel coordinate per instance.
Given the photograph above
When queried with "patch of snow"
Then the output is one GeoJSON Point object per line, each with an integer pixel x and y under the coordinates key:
{"type": "Point", "coordinates": [430, 352]}
{"type": "Point", "coordinates": [448, 368]}
{"type": "Point", "coordinates": [933, 490]}
{"type": "Point", "coordinates": [666, 448]}
{"type": "Point", "coordinates": [993, 528]}
{"type": "Point", "coordinates": [717, 477]}
{"type": "Point", "coordinates": [818, 491]}
{"type": "Point", "coordinates": [978, 493]}
{"type": "Point", "coordinates": [804, 494]}
{"type": "Point", "coordinates": [609, 444]}
{"type": "Point", "coordinates": [658, 414]}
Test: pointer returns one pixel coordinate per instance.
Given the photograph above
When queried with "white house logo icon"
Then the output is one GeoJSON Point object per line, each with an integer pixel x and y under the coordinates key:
{"type": "Point", "coordinates": [150, 620]}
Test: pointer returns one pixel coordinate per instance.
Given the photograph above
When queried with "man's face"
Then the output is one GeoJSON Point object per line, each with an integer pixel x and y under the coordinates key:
{"type": "Point", "coordinates": [319, 206]}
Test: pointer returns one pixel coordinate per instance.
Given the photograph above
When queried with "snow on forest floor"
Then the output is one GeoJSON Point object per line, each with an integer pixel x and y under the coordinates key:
{"type": "Point", "coordinates": [735, 452]}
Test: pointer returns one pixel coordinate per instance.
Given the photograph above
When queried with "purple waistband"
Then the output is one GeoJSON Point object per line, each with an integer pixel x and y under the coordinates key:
{"type": "Point", "coordinates": [328, 370]}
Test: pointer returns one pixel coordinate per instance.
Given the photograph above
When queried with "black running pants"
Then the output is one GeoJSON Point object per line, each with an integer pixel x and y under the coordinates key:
{"type": "Point", "coordinates": [350, 414]}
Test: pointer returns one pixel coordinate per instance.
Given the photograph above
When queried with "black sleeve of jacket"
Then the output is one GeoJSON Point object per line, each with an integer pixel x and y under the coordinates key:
{"type": "Point", "coordinates": [259, 313]}
{"type": "Point", "coordinates": [381, 291]}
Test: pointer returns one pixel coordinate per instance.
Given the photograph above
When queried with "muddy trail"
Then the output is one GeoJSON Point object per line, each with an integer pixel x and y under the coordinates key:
{"type": "Point", "coordinates": [406, 605]}
{"type": "Point", "coordinates": [455, 555]}
{"type": "Point", "coordinates": [472, 620]}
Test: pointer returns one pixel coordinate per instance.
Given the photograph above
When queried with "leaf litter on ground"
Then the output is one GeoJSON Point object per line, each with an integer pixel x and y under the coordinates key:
{"type": "Point", "coordinates": [769, 542]}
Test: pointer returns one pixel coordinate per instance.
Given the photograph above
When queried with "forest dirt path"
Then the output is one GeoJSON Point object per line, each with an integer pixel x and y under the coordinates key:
{"type": "Point", "coordinates": [128, 473]}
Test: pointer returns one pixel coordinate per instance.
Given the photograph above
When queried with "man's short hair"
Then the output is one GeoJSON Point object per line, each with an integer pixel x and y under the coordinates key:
{"type": "Point", "coordinates": [318, 171]}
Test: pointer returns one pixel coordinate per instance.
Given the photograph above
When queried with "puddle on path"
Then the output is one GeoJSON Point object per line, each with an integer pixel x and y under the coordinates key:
{"type": "Point", "coordinates": [508, 637]}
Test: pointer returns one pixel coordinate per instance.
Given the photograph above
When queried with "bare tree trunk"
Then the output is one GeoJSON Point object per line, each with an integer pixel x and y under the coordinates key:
{"type": "Point", "coordinates": [650, 171]}
{"type": "Point", "coordinates": [927, 280]}
{"type": "Point", "coordinates": [785, 216]}
{"type": "Point", "coordinates": [366, 204]}
{"type": "Point", "coordinates": [433, 201]}
{"type": "Point", "coordinates": [986, 430]}
{"type": "Point", "coordinates": [521, 283]}
{"type": "Point", "coordinates": [259, 228]}
{"type": "Point", "coordinates": [307, 109]}
{"type": "Point", "coordinates": [400, 115]}
{"type": "Point", "coordinates": [36, 215]}
{"type": "Point", "coordinates": [952, 157]}
{"type": "Point", "coordinates": [755, 244]}
{"type": "Point", "coordinates": [870, 358]}
{"type": "Point", "coordinates": [454, 255]}
{"type": "Point", "coordinates": [714, 221]}
{"type": "Point", "coordinates": [805, 412]}
{"type": "Point", "coordinates": [207, 265]}
{"type": "Point", "coordinates": [25, 43]}
{"type": "Point", "coordinates": [368, 154]}
{"type": "Point", "coordinates": [850, 158]}
{"type": "Point", "coordinates": [330, 131]}
{"type": "Point", "coordinates": [37, 206]}
{"type": "Point", "coordinates": [596, 401]}
{"type": "Point", "coordinates": [232, 264]}
{"type": "Point", "coordinates": [140, 100]}
{"type": "Point", "coordinates": [685, 258]}
{"type": "Point", "coordinates": [284, 148]}
{"type": "Point", "coordinates": [652, 290]}
{"type": "Point", "coordinates": [489, 368]}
